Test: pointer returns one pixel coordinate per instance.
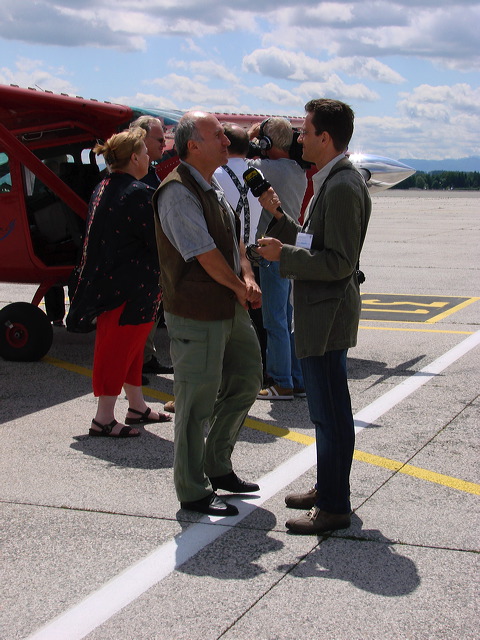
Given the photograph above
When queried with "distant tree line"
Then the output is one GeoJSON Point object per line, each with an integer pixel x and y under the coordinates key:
{"type": "Point", "coordinates": [443, 180]}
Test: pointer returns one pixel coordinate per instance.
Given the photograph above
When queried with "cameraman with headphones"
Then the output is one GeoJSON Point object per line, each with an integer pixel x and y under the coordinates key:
{"type": "Point", "coordinates": [274, 139]}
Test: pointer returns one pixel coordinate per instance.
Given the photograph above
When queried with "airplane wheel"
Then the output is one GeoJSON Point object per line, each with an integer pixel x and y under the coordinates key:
{"type": "Point", "coordinates": [25, 332]}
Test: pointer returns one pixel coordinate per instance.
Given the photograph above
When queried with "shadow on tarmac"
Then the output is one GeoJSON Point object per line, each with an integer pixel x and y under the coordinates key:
{"type": "Point", "coordinates": [149, 451]}
{"type": "Point", "coordinates": [234, 556]}
{"type": "Point", "coordinates": [366, 559]}
{"type": "Point", "coordinates": [359, 369]}
{"type": "Point", "coordinates": [296, 411]}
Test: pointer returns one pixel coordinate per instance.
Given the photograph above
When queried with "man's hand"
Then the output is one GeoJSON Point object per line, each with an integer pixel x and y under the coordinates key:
{"type": "Point", "coordinates": [254, 131]}
{"type": "Point", "coordinates": [270, 249]}
{"type": "Point", "coordinates": [218, 268]}
{"type": "Point", "coordinates": [241, 293]}
{"type": "Point", "coordinates": [254, 295]}
{"type": "Point", "coordinates": [271, 202]}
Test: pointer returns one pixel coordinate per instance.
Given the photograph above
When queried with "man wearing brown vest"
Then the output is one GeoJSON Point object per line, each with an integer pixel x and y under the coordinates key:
{"type": "Point", "coordinates": [207, 285]}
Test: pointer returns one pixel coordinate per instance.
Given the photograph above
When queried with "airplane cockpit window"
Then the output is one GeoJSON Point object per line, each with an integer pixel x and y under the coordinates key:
{"type": "Point", "coordinates": [88, 157]}
{"type": "Point", "coordinates": [56, 230]}
{"type": "Point", "coordinates": [5, 177]}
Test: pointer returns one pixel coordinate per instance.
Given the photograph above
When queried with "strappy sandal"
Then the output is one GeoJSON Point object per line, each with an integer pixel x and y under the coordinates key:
{"type": "Point", "coordinates": [144, 419]}
{"type": "Point", "coordinates": [106, 431]}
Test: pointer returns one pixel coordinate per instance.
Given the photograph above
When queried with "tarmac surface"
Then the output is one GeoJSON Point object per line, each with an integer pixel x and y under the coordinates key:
{"type": "Point", "coordinates": [94, 544]}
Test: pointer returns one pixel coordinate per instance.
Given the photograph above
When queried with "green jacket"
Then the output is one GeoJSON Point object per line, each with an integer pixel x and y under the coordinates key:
{"type": "Point", "coordinates": [325, 288]}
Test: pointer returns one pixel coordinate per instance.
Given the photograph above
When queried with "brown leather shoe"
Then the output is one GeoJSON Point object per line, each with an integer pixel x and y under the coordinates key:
{"type": "Point", "coordinates": [169, 406]}
{"type": "Point", "coordinates": [317, 521]}
{"type": "Point", "coordinates": [301, 500]}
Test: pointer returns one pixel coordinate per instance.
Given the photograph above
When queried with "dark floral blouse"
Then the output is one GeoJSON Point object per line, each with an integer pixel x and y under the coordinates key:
{"type": "Point", "coordinates": [119, 259]}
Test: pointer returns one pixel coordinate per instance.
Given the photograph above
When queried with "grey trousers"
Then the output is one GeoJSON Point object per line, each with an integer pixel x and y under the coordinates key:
{"type": "Point", "coordinates": [218, 374]}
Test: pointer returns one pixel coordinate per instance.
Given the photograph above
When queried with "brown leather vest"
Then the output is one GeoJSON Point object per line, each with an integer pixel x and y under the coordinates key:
{"type": "Point", "coordinates": [187, 289]}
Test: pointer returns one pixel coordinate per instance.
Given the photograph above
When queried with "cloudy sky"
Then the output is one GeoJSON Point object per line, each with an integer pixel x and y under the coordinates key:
{"type": "Point", "coordinates": [409, 68]}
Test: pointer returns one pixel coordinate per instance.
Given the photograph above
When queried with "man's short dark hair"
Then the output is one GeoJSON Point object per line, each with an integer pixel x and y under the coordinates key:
{"type": "Point", "coordinates": [334, 117]}
{"type": "Point", "coordinates": [239, 140]}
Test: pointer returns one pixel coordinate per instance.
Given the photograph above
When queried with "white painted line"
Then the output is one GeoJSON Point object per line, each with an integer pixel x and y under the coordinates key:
{"type": "Point", "coordinates": [116, 594]}
{"type": "Point", "coordinates": [383, 404]}
{"type": "Point", "coordinates": [99, 606]}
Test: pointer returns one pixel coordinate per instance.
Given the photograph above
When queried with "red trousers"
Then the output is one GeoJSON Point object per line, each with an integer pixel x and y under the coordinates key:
{"type": "Point", "coordinates": [118, 356]}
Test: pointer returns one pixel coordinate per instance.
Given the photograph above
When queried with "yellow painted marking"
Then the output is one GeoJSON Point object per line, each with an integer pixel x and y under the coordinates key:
{"type": "Point", "coordinates": [417, 472]}
{"type": "Point", "coordinates": [448, 312]}
{"type": "Point", "coordinates": [417, 311]}
{"type": "Point", "coordinates": [158, 395]}
{"type": "Point", "coordinates": [375, 300]}
{"type": "Point", "coordinates": [407, 295]}
{"type": "Point", "coordinates": [431, 305]}
{"type": "Point", "coordinates": [464, 333]}
{"type": "Point", "coordinates": [151, 393]}
{"type": "Point", "coordinates": [75, 368]}
{"type": "Point", "coordinates": [282, 432]}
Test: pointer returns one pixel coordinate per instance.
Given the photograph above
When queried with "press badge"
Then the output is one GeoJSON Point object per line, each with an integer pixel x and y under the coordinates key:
{"type": "Point", "coordinates": [304, 240]}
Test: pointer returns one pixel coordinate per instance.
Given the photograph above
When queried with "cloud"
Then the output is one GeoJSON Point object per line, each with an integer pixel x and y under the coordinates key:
{"type": "Point", "coordinates": [440, 31]}
{"type": "Point", "coordinates": [120, 24]}
{"type": "Point", "coordinates": [48, 23]}
{"type": "Point", "coordinates": [345, 15]}
{"type": "Point", "coordinates": [336, 89]}
{"type": "Point", "coordinates": [435, 30]}
{"type": "Point", "coordinates": [208, 68]}
{"type": "Point", "coordinates": [187, 92]}
{"type": "Point", "coordinates": [33, 73]}
{"type": "Point", "coordinates": [441, 103]}
{"type": "Point", "coordinates": [435, 122]}
{"type": "Point", "coordinates": [403, 138]}
{"type": "Point", "coordinates": [274, 94]}
{"type": "Point", "coordinates": [386, 136]}
{"type": "Point", "coordinates": [190, 45]}
{"type": "Point", "coordinates": [146, 101]}
{"type": "Point", "coordinates": [280, 63]}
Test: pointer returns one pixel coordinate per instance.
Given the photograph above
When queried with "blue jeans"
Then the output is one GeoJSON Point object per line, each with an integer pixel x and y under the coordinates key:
{"type": "Point", "coordinates": [331, 412]}
{"type": "Point", "coordinates": [282, 364]}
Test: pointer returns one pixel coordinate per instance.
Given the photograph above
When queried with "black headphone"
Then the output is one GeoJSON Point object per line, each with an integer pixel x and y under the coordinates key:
{"type": "Point", "coordinates": [264, 142]}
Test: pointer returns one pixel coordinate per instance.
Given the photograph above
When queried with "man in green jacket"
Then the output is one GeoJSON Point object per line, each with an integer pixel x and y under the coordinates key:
{"type": "Point", "coordinates": [321, 258]}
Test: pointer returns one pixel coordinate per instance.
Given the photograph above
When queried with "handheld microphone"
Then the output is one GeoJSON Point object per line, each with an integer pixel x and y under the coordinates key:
{"type": "Point", "coordinates": [255, 180]}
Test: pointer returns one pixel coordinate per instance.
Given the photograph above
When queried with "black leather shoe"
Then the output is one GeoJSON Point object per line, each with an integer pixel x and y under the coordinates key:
{"type": "Point", "coordinates": [153, 366]}
{"type": "Point", "coordinates": [232, 483]}
{"type": "Point", "coordinates": [211, 505]}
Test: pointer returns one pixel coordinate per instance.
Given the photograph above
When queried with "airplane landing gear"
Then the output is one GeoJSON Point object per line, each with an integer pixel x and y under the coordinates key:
{"type": "Point", "coordinates": [25, 332]}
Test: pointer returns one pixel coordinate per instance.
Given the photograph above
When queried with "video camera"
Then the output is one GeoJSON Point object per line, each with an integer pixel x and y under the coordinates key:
{"type": "Point", "coordinates": [296, 150]}
{"type": "Point", "coordinates": [254, 150]}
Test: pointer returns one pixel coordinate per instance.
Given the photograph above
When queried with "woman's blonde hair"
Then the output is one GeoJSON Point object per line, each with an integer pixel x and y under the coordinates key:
{"type": "Point", "coordinates": [118, 149]}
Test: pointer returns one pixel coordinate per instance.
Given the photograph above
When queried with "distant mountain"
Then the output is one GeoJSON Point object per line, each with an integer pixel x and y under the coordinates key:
{"type": "Point", "coordinates": [471, 163]}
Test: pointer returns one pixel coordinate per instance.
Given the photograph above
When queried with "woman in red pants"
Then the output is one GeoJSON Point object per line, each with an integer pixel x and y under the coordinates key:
{"type": "Point", "coordinates": [117, 289]}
